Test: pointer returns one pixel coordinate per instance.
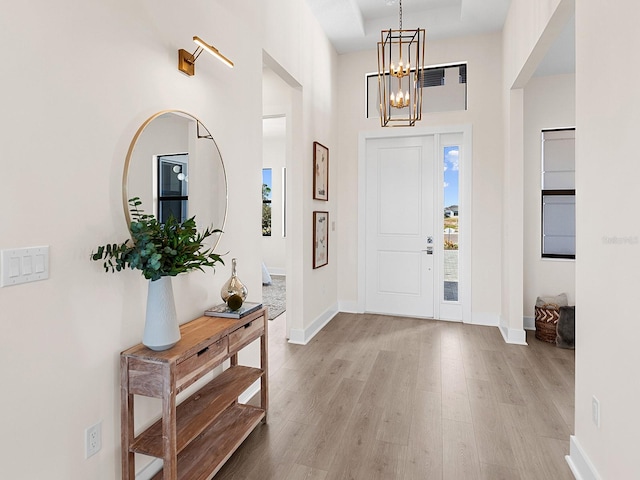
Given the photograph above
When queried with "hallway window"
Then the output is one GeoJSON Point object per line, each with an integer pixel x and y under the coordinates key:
{"type": "Point", "coordinates": [266, 202]}
{"type": "Point", "coordinates": [558, 194]}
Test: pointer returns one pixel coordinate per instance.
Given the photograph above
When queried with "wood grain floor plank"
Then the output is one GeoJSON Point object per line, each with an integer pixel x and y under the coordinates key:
{"type": "Point", "coordinates": [473, 363]}
{"type": "Point", "coordinates": [498, 472]}
{"type": "Point", "coordinates": [430, 368]}
{"type": "Point", "coordinates": [424, 452]}
{"type": "Point", "coordinates": [321, 446]}
{"type": "Point", "coordinates": [379, 383]}
{"type": "Point", "coordinates": [455, 406]}
{"type": "Point", "coordinates": [396, 418]}
{"type": "Point", "coordinates": [491, 438]}
{"type": "Point", "coordinates": [356, 446]}
{"type": "Point", "coordinates": [503, 384]}
{"type": "Point", "coordinates": [454, 379]}
{"type": "Point", "coordinates": [302, 472]}
{"type": "Point", "coordinates": [385, 461]}
{"type": "Point", "coordinates": [460, 454]}
{"type": "Point", "coordinates": [479, 389]}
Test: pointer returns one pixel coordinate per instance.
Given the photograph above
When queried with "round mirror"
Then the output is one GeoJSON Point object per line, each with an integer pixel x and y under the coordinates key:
{"type": "Point", "coordinates": [175, 168]}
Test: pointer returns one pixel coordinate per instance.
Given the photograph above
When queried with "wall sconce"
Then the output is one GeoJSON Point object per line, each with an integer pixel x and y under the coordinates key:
{"type": "Point", "coordinates": [187, 61]}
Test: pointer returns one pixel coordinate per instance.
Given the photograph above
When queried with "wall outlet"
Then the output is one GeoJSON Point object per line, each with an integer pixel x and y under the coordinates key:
{"type": "Point", "coordinates": [92, 440]}
{"type": "Point", "coordinates": [595, 411]}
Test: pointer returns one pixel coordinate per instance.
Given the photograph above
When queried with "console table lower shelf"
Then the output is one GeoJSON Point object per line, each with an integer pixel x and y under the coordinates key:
{"type": "Point", "coordinates": [205, 455]}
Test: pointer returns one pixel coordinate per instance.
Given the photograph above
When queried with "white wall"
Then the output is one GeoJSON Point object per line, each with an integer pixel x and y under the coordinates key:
{"type": "Point", "coordinates": [608, 237]}
{"type": "Point", "coordinates": [86, 76]}
{"type": "Point", "coordinates": [549, 102]}
{"type": "Point", "coordinates": [483, 54]}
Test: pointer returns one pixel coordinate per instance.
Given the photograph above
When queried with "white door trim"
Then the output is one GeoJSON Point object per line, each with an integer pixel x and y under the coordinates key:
{"type": "Point", "coordinates": [465, 196]}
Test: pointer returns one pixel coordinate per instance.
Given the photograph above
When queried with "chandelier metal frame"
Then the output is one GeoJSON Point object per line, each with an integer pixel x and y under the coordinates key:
{"type": "Point", "coordinates": [400, 68]}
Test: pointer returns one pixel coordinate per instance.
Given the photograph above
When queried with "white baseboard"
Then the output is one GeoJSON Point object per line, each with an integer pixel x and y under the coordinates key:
{"type": "Point", "coordinates": [486, 319]}
{"type": "Point", "coordinates": [303, 336]}
{"type": "Point", "coordinates": [149, 470]}
{"type": "Point", "coordinates": [349, 307]}
{"type": "Point", "coordinates": [579, 463]}
{"type": "Point", "coordinates": [514, 336]}
{"type": "Point", "coordinates": [250, 392]}
{"type": "Point", "coordinates": [529, 323]}
{"type": "Point", "coordinates": [276, 271]}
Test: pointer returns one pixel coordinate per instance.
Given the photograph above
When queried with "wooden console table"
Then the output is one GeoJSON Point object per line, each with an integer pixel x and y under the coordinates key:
{"type": "Point", "coordinates": [195, 438]}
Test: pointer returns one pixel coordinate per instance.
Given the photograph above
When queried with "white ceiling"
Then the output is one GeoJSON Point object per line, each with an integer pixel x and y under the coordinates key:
{"type": "Point", "coordinates": [355, 25]}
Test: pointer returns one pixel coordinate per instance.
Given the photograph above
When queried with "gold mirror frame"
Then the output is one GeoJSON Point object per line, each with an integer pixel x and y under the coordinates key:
{"type": "Point", "coordinates": [201, 132]}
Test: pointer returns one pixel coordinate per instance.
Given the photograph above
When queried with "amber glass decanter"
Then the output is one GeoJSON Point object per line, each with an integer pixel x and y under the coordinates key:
{"type": "Point", "coordinates": [233, 292]}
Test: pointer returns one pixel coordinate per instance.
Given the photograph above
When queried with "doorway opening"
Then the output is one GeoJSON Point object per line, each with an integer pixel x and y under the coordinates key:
{"type": "Point", "coordinates": [282, 144]}
{"type": "Point", "coordinates": [274, 214]}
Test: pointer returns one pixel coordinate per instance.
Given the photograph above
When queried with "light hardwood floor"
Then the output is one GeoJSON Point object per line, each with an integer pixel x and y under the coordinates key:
{"type": "Point", "coordinates": [377, 397]}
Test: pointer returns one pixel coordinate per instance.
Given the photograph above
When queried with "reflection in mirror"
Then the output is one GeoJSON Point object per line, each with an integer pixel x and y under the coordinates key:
{"type": "Point", "coordinates": [173, 187]}
{"type": "Point", "coordinates": [175, 168]}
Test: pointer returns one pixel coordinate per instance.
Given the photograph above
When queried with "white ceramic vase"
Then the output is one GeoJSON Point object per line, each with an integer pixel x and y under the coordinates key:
{"type": "Point", "coordinates": [161, 330]}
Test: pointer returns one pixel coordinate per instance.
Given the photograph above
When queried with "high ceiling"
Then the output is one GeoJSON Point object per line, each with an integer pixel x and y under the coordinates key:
{"type": "Point", "coordinates": [355, 25]}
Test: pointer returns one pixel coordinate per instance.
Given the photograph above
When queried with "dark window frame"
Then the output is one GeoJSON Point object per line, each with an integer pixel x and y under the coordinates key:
{"type": "Point", "coordinates": [163, 200]}
{"type": "Point", "coordinates": [553, 193]}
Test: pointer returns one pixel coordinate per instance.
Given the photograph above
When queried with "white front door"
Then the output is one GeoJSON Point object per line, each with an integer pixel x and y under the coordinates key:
{"type": "Point", "coordinates": [400, 245]}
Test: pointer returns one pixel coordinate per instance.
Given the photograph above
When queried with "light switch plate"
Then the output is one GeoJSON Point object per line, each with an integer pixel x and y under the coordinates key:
{"type": "Point", "coordinates": [22, 265]}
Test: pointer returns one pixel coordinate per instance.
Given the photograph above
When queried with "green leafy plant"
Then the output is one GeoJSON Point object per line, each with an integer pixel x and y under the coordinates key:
{"type": "Point", "coordinates": [159, 250]}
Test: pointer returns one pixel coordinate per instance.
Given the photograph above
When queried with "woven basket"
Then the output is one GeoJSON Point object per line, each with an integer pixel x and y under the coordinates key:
{"type": "Point", "coordinates": [547, 322]}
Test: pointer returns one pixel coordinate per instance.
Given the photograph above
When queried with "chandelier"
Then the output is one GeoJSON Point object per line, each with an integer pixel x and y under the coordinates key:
{"type": "Point", "coordinates": [400, 65]}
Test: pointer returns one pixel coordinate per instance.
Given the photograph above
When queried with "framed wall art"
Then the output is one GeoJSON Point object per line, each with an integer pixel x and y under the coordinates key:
{"type": "Point", "coordinates": [320, 172]}
{"type": "Point", "coordinates": [320, 239]}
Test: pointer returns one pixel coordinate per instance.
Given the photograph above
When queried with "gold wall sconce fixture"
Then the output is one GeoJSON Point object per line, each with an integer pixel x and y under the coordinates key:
{"type": "Point", "coordinates": [187, 61]}
{"type": "Point", "coordinates": [400, 72]}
